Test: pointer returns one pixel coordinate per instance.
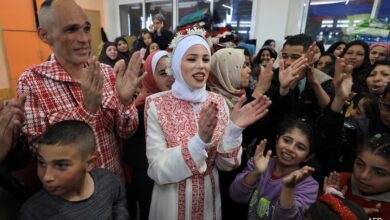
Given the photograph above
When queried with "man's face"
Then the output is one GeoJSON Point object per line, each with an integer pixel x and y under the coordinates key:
{"type": "Point", "coordinates": [69, 33]}
{"type": "Point", "coordinates": [157, 24]}
{"type": "Point", "coordinates": [291, 53]}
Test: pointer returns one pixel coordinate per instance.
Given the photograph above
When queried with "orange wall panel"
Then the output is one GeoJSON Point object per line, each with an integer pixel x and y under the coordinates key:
{"type": "Point", "coordinates": [17, 15]}
{"type": "Point", "coordinates": [44, 50]}
{"type": "Point", "coordinates": [22, 50]}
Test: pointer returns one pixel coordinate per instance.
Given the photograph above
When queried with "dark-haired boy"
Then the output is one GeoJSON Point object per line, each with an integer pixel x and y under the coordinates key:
{"type": "Point", "coordinates": [297, 89]}
{"type": "Point", "coordinates": [73, 189]}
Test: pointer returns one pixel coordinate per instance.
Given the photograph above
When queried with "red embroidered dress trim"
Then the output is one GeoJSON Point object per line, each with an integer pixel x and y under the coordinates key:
{"type": "Point", "coordinates": [179, 123]}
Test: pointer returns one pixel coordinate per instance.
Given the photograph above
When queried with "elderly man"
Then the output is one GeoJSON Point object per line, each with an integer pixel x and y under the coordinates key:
{"type": "Point", "coordinates": [76, 86]}
{"type": "Point", "coordinates": [162, 36]}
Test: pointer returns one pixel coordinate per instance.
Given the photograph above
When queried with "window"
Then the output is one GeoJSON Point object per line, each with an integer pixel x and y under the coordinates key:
{"type": "Point", "coordinates": [331, 20]}
{"type": "Point", "coordinates": [384, 11]}
{"type": "Point", "coordinates": [236, 13]}
{"type": "Point", "coordinates": [131, 19]}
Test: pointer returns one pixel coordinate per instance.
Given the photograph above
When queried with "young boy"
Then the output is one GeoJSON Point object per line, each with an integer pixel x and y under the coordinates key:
{"type": "Point", "coordinates": [73, 189]}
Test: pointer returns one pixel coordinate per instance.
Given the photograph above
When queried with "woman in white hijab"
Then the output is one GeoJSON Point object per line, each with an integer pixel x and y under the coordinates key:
{"type": "Point", "coordinates": [189, 133]}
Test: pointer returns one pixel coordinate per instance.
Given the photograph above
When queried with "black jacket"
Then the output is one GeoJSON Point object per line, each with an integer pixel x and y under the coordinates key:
{"type": "Point", "coordinates": [163, 39]}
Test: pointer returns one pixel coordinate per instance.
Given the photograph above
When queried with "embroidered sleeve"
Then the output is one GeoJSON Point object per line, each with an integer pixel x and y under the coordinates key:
{"type": "Point", "coordinates": [230, 150]}
{"type": "Point", "coordinates": [166, 164]}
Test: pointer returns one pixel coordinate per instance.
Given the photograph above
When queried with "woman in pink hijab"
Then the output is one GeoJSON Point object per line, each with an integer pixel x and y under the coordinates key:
{"type": "Point", "coordinates": [379, 51]}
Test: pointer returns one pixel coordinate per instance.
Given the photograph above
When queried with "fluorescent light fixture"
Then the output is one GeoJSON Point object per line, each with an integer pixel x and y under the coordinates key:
{"type": "Point", "coordinates": [326, 2]}
{"type": "Point", "coordinates": [225, 6]}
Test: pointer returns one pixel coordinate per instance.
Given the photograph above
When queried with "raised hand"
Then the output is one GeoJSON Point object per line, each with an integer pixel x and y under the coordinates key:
{"type": "Point", "coordinates": [120, 66]}
{"type": "Point", "coordinates": [260, 161]}
{"type": "Point", "coordinates": [11, 120]}
{"type": "Point", "coordinates": [333, 181]}
{"type": "Point", "coordinates": [91, 82]}
{"type": "Point", "coordinates": [342, 79]}
{"type": "Point", "coordinates": [311, 77]}
{"type": "Point", "coordinates": [207, 122]}
{"type": "Point", "coordinates": [374, 210]}
{"type": "Point", "coordinates": [127, 80]}
{"type": "Point", "coordinates": [264, 79]}
{"type": "Point", "coordinates": [289, 77]}
{"type": "Point", "coordinates": [159, 30]}
{"type": "Point", "coordinates": [297, 176]}
{"type": "Point", "coordinates": [243, 116]}
{"type": "Point", "coordinates": [311, 54]}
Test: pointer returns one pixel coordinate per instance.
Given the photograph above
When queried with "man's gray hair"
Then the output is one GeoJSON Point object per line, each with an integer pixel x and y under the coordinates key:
{"type": "Point", "coordinates": [44, 15]}
{"type": "Point", "coordinates": [159, 17]}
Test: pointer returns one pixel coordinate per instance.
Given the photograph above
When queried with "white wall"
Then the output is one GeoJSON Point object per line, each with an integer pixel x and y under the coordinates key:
{"type": "Point", "coordinates": [294, 17]}
{"type": "Point", "coordinates": [111, 19]}
{"type": "Point", "coordinates": [276, 19]}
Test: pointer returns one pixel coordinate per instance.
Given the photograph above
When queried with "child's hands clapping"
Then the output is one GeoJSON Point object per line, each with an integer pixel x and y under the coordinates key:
{"type": "Point", "coordinates": [333, 181]}
{"type": "Point", "coordinates": [260, 161]}
{"type": "Point", "coordinates": [297, 176]}
{"type": "Point", "coordinates": [260, 164]}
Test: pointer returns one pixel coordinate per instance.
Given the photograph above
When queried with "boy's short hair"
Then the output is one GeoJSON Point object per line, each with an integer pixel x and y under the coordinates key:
{"type": "Point", "coordinates": [70, 133]}
{"type": "Point", "coordinates": [299, 40]}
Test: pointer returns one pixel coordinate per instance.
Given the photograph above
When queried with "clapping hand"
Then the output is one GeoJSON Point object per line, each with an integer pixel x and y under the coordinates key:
{"type": "Point", "coordinates": [342, 79]}
{"type": "Point", "coordinates": [374, 210]}
{"type": "Point", "coordinates": [311, 54]}
{"type": "Point", "coordinates": [128, 79]}
{"type": "Point", "coordinates": [289, 77]}
{"type": "Point", "coordinates": [297, 176]}
{"type": "Point", "coordinates": [243, 116]}
{"type": "Point", "coordinates": [260, 161]}
{"type": "Point", "coordinates": [91, 82]}
{"type": "Point", "coordinates": [207, 122]}
{"type": "Point", "coordinates": [11, 120]}
{"type": "Point", "coordinates": [333, 181]}
{"type": "Point", "coordinates": [264, 79]}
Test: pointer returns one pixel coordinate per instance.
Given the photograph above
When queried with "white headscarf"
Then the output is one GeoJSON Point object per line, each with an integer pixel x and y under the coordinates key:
{"type": "Point", "coordinates": [157, 58]}
{"type": "Point", "coordinates": [180, 89]}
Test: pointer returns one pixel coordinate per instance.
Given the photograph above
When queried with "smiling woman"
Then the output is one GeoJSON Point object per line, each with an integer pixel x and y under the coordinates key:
{"type": "Point", "coordinates": [190, 132]}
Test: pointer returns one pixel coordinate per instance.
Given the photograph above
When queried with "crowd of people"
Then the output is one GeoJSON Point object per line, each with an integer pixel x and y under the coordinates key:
{"type": "Point", "coordinates": [178, 127]}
